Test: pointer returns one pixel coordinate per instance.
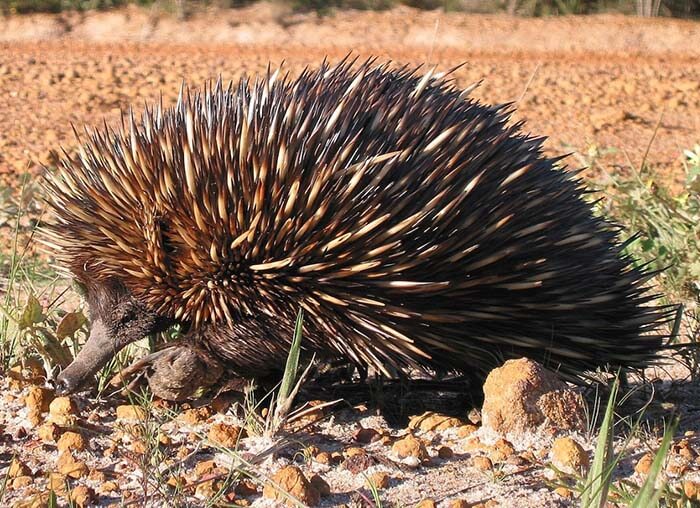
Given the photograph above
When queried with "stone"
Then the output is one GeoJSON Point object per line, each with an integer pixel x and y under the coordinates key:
{"type": "Point", "coordinates": [204, 467]}
{"type": "Point", "coordinates": [354, 451]}
{"type": "Point", "coordinates": [49, 432]}
{"type": "Point", "coordinates": [225, 435]}
{"type": "Point", "coordinates": [62, 406]}
{"type": "Point", "coordinates": [68, 466]}
{"type": "Point", "coordinates": [692, 490]}
{"type": "Point", "coordinates": [131, 412]}
{"type": "Point", "coordinates": [466, 430]}
{"type": "Point", "coordinates": [410, 446]}
{"type": "Point", "coordinates": [522, 396]}
{"type": "Point", "coordinates": [365, 436]}
{"type": "Point", "coordinates": [482, 463]}
{"type": "Point", "coordinates": [320, 485]}
{"type": "Point", "coordinates": [569, 456]}
{"type": "Point", "coordinates": [22, 481]}
{"type": "Point", "coordinates": [81, 496]}
{"type": "Point", "coordinates": [430, 421]}
{"type": "Point", "coordinates": [71, 441]}
{"type": "Point", "coordinates": [380, 480]}
{"type": "Point", "coordinates": [564, 492]}
{"type": "Point", "coordinates": [644, 464]}
{"type": "Point", "coordinates": [18, 469]}
{"type": "Point", "coordinates": [63, 411]}
{"type": "Point", "coordinates": [445, 452]}
{"type": "Point", "coordinates": [501, 451]}
{"type": "Point", "coordinates": [323, 458]}
{"type": "Point", "coordinates": [292, 481]}
{"type": "Point", "coordinates": [38, 399]}
{"type": "Point", "coordinates": [195, 416]}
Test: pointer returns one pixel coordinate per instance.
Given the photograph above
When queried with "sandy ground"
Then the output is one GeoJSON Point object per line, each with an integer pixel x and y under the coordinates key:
{"type": "Point", "coordinates": [592, 85]}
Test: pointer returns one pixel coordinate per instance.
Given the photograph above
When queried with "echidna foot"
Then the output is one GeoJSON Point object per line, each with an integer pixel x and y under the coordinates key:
{"type": "Point", "coordinates": [181, 370]}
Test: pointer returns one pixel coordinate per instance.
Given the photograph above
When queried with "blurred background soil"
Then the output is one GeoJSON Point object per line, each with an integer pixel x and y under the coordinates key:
{"type": "Point", "coordinates": [601, 86]}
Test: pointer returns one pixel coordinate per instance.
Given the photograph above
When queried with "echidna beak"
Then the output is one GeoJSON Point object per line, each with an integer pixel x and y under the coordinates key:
{"type": "Point", "coordinates": [96, 352]}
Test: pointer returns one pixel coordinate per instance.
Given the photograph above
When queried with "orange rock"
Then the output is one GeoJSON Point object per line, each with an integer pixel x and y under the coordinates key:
{"type": "Point", "coordinates": [195, 416]}
{"type": "Point", "coordinates": [684, 450]}
{"type": "Point", "coordinates": [49, 432]}
{"type": "Point", "coordinates": [18, 469]}
{"type": "Point", "coordinates": [38, 399]}
{"type": "Point", "coordinates": [291, 480]}
{"type": "Point", "coordinates": [482, 463]}
{"type": "Point", "coordinates": [164, 439]}
{"type": "Point", "coordinates": [204, 467]}
{"type": "Point", "coordinates": [97, 476]}
{"type": "Point", "coordinates": [131, 412]}
{"type": "Point", "coordinates": [81, 496]}
{"type": "Point", "coordinates": [40, 500]}
{"type": "Point", "coordinates": [107, 487]}
{"type": "Point", "coordinates": [68, 466]}
{"type": "Point", "coordinates": [176, 482]}
{"type": "Point", "coordinates": [62, 406]}
{"type": "Point", "coordinates": [323, 458]}
{"type": "Point", "coordinates": [521, 395]}
{"type": "Point", "coordinates": [354, 451]}
{"type": "Point", "coordinates": [22, 481]}
{"type": "Point", "coordinates": [474, 443]}
{"type": "Point", "coordinates": [139, 447]}
{"type": "Point", "coordinates": [458, 503]}
{"type": "Point", "coordinates": [501, 451]}
{"type": "Point", "coordinates": [569, 456]}
{"type": "Point", "coordinates": [225, 435]}
{"type": "Point", "coordinates": [466, 430]}
{"type": "Point", "coordinates": [380, 480]}
{"type": "Point", "coordinates": [692, 490]}
{"type": "Point", "coordinates": [410, 446]}
{"type": "Point", "coordinates": [427, 503]}
{"type": "Point", "coordinates": [644, 464]}
{"type": "Point", "coordinates": [57, 483]}
{"type": "Point", "coordinates": [207, 489]}
{"type": "Point", "coordinates": [430, 421]}
{"type": "Point", "coordinates": [62, 411]}
{"type": "Point", "coordinates": [71, 441]}
{"type": "Point", "coordinates": [564, 492]}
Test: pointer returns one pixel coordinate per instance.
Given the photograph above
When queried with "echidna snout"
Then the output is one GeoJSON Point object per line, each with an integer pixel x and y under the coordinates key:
{"type": "Point", "coordinates": [116, 320]}
{"type": "Point", "coordinates": [416, 228]}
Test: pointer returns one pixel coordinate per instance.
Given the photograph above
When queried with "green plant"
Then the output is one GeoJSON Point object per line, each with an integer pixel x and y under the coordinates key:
{"type": "Point", "coordinates": [668, 223]}
{"type": "Point", "coordinates": [374, 491]}
{"type": "Point", "coordinates": [599, 487]}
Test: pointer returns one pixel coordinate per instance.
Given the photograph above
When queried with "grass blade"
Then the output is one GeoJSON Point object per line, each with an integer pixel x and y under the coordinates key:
{"type": "Point", "coordinates": [648, 495]}
{"type": "Point", "coordinates": [598, 480]}
{"type": "Point", "coordinates": [292, 365]}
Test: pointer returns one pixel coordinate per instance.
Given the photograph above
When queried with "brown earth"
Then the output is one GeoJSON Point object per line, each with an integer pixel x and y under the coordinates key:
{"type": "Point", "coordinates": [592, 85]}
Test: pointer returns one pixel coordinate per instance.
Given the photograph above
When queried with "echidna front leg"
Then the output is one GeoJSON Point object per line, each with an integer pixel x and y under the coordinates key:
{"type": "Point", "coordinates": [181, 370]}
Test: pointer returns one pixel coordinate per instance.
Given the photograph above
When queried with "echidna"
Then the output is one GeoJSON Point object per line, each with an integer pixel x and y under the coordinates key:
{"type": "Point", "coordinates": [416, 227]}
